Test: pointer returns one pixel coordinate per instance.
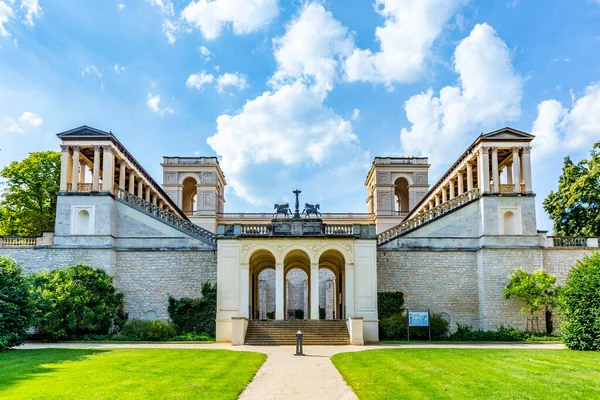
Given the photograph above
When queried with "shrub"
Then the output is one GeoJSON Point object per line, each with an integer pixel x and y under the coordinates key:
{"type": "Point", "coordinates": [193, 337]}
{"type": "Point", "coordinates": [15, 310]}
{"type": "Point", "coordinates": [299, 313]}
{"type": "Point", "coordinates": [503, 334]}
{"type": "Point", "coordinates": [390, 303]}
{"type": "Point", "coordinates": [580, 305]}
{"type": "Point", "coordinates": [271, 315]}
{"type": "Point", "coordinates": [148, 330]}
{"type": "Point", "coordinates": [75, 301]}
{"type": "Point", "coordinates": [395, 328]}
{"type": "Point", "coordinates": [195, 315]}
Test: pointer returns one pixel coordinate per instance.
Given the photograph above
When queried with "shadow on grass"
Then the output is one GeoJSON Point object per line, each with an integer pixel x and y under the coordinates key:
{"type": "Point", "coordinates": [21, 365]}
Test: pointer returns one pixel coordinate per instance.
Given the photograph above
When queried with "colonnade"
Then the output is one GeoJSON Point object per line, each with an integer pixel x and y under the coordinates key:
{"type": "Point", "coordinates": [74, 165]}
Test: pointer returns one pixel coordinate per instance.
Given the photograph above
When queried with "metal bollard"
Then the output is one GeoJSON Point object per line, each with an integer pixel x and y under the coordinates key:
{"type": "Point", "coordinates": [299, 344]}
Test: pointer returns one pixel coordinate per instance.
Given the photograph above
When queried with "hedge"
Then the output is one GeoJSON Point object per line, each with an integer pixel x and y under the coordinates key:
{"type": "Point", "coordinates": [15, 310]}
{"type": "Point", "coordinates": [195, 315]}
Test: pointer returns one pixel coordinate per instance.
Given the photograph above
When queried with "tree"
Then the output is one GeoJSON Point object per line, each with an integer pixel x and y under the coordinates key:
{"type": "Point", "coordinates": [580, 305]}
{"type": "Point", "coordinates": [536, 290]}
{"type": "Point", "coordinates": [575, 206]}
{"type": "Point", "coordinates": [15, 310]}
{"type": "Point", "coordinates": [76, 301]}
{"type": "Point", "coordinates": [28, 205]}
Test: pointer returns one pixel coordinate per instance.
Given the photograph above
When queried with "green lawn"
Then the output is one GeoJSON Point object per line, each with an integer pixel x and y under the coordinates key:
{"type": "Point", "coordinates": [126, 374]}
{"type": "Point", "coordinates": [471, 374]}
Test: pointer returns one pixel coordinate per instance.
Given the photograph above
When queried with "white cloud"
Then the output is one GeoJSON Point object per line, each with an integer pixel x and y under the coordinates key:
{"type": "Point", "coordinates": [169, 28]}
{"type": "Point", "coordinates": [153, 104]}
{"type": "Point", "coordinates": [120, 6]}
{"type": "Point", "coordinates": [6, 14]}
{"type": "Point", "coordinates": [405, 39]}
{"type": "Point", "coordinates": [489, 92]}
{"type": "Point", "coordinates": [558, 129]}
{"type": "Point", "coordinates": [197, 80]}
{"type": "Point", "coordinates": [12, 126]}
{"type": "Point", "coordinates": [29, 118]}
{"type": "Point", "coordinates": [33, 9]}
{"type": "Point", "coordinates": [236, 80]}
{"type": "Point", "coordinates": [118, 68]}
{"type": "Point", "coordinates": [91, 70]}
{"type": "Point", "coordinates": [166, 6]}
{"type": "Point", "coordinates": [312, 47]}
{"type": "Point", "coordinates": [356, 114]}
{"type": "Point", "coordinates": [279, 129]}
{"type": "Point", "coordinates": [246, 16]}
{"type": "Point", "coordinates": [205, 52]}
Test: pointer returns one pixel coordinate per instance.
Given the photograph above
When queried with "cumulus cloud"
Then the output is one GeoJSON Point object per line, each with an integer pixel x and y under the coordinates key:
{"type": "Point", "coordinates": [206, 53]}
{"type": "Point", "coordinates": [405, 40]}
{"type": "Point", "coordinates": [235, 80]}
{"type": "Point", "coordinates": [26, 120]}
{"type": "Point", "coordinates": [169, 25]}
{"type": "Point", "coordinates": [166, 6]}
{"type": "Point", "coordinates": [32, 10]}
{"type": "Point", "coordinates": [312, 47]}
{"type": "Point", "coordinates": [356, 114]}
{"type": "Point", "coordinates": [560, 129]}
{"type": "Point", "coordinates": [6, 14]}
{"type": "Point", "coordinates": [245, 16]}
{"type": "Point", "coordinates": [489, 93]}
{"type": "Point", "coordinates": [11, 126]}
{"type": "Point", "coordinates": [29, 118]}
{"type": "Point", "coordinates": [197, 80]}
{"type": "Point", "coordinates": [153, 104]}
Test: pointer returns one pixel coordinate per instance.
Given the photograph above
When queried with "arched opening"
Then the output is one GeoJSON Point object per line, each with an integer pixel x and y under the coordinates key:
{"type": "Point", "coordinates": [331, 286]}
{"type": "Point", "coordinates": [401, 194]}
{"type": "Point", "coordinates": [262, 285]}
{"type": "Point", "coordinates": [510, 223]}
{"type": "Point", "coordinates": [82, 222]}
{"type": "Point", "coordinates": [296, 265]}
{"type": "Point", "coordinates": [188, 201]}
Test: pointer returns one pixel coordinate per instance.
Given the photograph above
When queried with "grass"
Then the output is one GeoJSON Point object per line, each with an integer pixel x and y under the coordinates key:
{"type": "Point", "coordinates": [126, 373]}
{"type": "Point", "coordinates": [471, 374]}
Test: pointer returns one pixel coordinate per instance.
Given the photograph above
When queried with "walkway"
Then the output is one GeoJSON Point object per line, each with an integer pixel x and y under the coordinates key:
{"type": "Point", "coordinates": [285, 376]}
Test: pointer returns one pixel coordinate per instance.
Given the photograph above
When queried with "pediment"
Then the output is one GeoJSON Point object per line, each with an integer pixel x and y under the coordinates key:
{"type": "Point", "coordinates": [507, 134]}
{"type": "Point", "coordinates": [84, 131]}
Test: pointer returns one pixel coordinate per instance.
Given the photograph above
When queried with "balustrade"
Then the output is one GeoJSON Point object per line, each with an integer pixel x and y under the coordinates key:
{"type": "Point", "coordinates": [18, 241]}
{"type": "Point", "coordinates": [338, 229]}
{"type": "Point", "coordinates": [256, 230]}
{"type": "Point", "coordinates": [569, 241]}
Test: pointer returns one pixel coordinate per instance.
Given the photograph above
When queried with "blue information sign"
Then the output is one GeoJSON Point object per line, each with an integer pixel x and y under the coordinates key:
{"type": "Point", "coordinates": [418, 318]}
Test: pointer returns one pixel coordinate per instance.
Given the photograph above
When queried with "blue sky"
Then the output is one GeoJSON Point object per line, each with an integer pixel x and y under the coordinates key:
{"type": "Point", "coordinates": [302, 93]}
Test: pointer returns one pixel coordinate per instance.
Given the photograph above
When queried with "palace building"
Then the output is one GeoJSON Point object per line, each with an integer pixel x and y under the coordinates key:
{"type": "Point", "coordinates": [449, 246]}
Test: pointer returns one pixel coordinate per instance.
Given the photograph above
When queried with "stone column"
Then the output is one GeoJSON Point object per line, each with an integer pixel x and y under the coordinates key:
{"type": "Point", "coordinates": [461, 185]}
{"type": "Point", "coordinates": [431, 204]}
{"type": "Point", "coordinates": [96, 172]}
{"type": "Point", "coordinates": [495, 173]}
{"type": "Point", "coordinates": [154, 199]}
{"type": "Point", "coordinates": [516, 170]}
{"type": "Point", "coordinates": [509, 174]}
{"type": "Point", "coordinates": [108, 170]}
{"type": "Point", "coordinates": [451, 190]}
{"type": "Point", "coordinates": [469, 177]}
{"type": "Point", "coordinates": [148, 194]}
{"type": "Point", "coordinates": [131, 182]}
{"type": "Point", "coordinates": [64, 167]}
{"type": "Point", "coordinates": [245, 290]}
{"type": "Point", "coordinates": [279, 282]}
{"type": "Point", "coordinates": [444, 195]}
{"type": "Point", "coordinates": [526, 170]}
{"type": "Point", "coordinates": [437, 200]}
{"type": "Point", "coordinates": [314, 291]}
{"type": "Point", "coordinates": [349, 290]}
{"type": "Point", "coordinates": [140, 191]}
{"type": "Point", "coordinates": [122, 174]}
{"type": "Point", "coordinates": [484, 178]}
{"type": "Point", "coordinates": [75, 173]}
{"type": "Point", "coordinates": [82, 171]}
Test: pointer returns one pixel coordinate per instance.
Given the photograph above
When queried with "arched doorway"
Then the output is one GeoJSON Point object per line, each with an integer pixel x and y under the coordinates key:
{"type": "Point", "coordinates": [331, 284]}
{"type": "Point", "coordinates": [188, 201]}
{"type": "Point", "coordinates": [263, 285]}
{"type": "Point", "coordinates": [401, 194]}
{"type": "Point", "coordinates": [296, 266]}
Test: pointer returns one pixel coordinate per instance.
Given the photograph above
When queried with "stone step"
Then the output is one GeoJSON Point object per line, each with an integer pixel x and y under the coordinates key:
{"type": "Point", "coordinates": [283, 333]}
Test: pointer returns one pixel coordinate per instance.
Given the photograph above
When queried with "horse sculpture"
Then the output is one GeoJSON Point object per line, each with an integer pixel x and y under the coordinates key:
{"type": "Point", "coordinates": [311, 209]}
{"type": "Point", "coordinates": [283, 209]}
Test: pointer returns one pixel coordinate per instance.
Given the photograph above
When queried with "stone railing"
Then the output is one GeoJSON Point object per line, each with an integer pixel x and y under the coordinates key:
{"type": "Point", "coordinates": [572, 241]}
{"type": "Point", "coordinates": [426, 216]}
{"type": "Point", "coordinates": [256, 230]}
{"type": "Point", "coordinates": [166, 217]}
{"type": "Point", "coordinates": [18, 241]}
{"type": "Point", "coordinates": [339, 230]}
{"type": "Point", "coordinates": [269, 216]}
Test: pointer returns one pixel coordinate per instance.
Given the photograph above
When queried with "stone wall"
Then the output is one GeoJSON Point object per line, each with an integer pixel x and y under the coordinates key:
{"type": "Point", "coordinates": [559, 260]}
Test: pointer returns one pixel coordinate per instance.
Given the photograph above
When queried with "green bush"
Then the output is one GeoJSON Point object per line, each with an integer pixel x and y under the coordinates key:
{"type": "Point", "coordinates": [390, 303]}
{"type": "Point", "coordinates": [395, 328]}
{"type": "Point", "coordinates": [580, 305]}
{"type": "Point", "coordinates": [299, 313]}
{"type": "Point", "coordinates": [15, 310]}
{"type": "Point", "coordinates": [76, 301]}
{"type": "Point", "coordinates": [322, 313]}
{"type": "Point", "coordinates": [195, 315]}
{"type": "Point", "coordinates": [193, 337]}
{"type": "Point", "coordinates": [503, 334]}
{"type": "Point", "coordinates": [148, 330]}
{"type": "Point", "coordinates": [271, 315]}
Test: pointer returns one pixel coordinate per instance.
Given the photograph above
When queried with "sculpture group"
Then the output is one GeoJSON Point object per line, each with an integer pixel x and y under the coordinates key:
{"type": "Point", "coordinates": [309, 209]}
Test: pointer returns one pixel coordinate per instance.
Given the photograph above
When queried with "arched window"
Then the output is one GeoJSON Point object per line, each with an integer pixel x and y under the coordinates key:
{"type": "Point", "coordinates": [401, 192]}
{"type": "Point", "coordinates": [510, 223]}
{"type": "Point", "coordinates": [82, 223]}
{"type": "Point", "coordinates": [189, 199]}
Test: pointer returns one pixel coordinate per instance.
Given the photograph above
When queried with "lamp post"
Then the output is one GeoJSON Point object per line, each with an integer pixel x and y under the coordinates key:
{"type": "Point", "coordinates": [297, 211]}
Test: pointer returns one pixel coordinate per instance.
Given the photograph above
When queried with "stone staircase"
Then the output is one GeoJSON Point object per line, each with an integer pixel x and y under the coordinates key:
{"type": "Point", "coordinates": [283, 333]}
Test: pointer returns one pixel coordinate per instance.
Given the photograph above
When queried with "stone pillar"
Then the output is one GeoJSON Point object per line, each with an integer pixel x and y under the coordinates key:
{"type": "Point", "coordinates": [484, 178]}
{"type": "Point", "coordinates": [444, 195]}
{"type": "Point", "coordinates": [279, 282]}
{"type": "Point", "coordinates": [509, 174]}
{"type": "Point", "coordinates": [469, 177]}
{"type": "Point", "coordinates": [516, 170]}
{"type": "Point", "coordinates": [495, 173]}
{"type": "Point", "coordinates": [131, 182]}
{"type": "Point", "coordinates": [245, 290]}
{"type": "Point", "coordinates": [349, 290]}
{"type": "Point", "coordinates": [140, 191]}
{"type": "Point", "coordinates": [108, 170]}
{"type": "Point", "coordinates": [148, 194]}
{"type": "Point", "coordinates": [431, 204]}
{"type": "Point", "coordinates": [75, 173]}
{"type": "Point", "coordinates": [314, 291]}
{"type": "Point", "coordinates": [461, 185]}
{"type": "Point", "coordinates": [122, 174]}
{"type": "Point", "coordinates": [64, 167]}
{"type": "Point", "coordinates": [437, 200]}
{"type": "Point", "coordinates": [96, 172]}
{"type": "Point", "coordinates": [526, 170]}
{"type": "Point", "coordinates": [451, 190]}
{"type": "Point", "coordinates": [82, 171]}
{"type": "Point", "coordinates": [154, 196]}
